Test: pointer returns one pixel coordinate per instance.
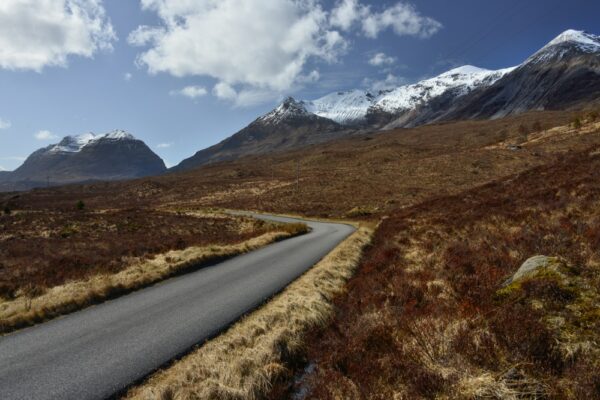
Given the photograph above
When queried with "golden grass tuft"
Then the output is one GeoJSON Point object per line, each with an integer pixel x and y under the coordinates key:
{"type": "Point", "coordinates": [243, 362]}
{"type": "Point", "coordinates": [26, 309]}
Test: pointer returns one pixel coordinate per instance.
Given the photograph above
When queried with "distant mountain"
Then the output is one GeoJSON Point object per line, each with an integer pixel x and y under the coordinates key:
{"type": "Point", "coordinates": [563, 74]}
{"type": "Point", "coordinates": [288, 126]}
{"type": "Point", "coordinates": [112, 156]}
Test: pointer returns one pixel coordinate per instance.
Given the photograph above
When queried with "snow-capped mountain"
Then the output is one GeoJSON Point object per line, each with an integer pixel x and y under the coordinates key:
{"type": "Point", "coordinates": [565, 73]}
{"type": "Point", "coordinates": [352, 107]}
{"type": "Point", "coordinates": [565, 43]}
{"type": "Point", "coordinates": [562, 74]}
{"type": "Point", "coordinates": [74, 144]}
{"type": "Point", "coordinates": [110, 156]}
{"type": "Point", "coordinates": [288, 126]}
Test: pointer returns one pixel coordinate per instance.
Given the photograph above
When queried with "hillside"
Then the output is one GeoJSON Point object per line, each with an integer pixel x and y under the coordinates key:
{"type": "Point", "coordinates": [112, 156]}
{"type": "Point", "coordinates": [564, 74]}
{"type": "Point", "coordinates": [366, 175]}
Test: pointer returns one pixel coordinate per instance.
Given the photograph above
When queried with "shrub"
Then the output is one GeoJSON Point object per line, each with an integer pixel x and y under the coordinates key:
{"type": "Point", "coordinates": [577, 123]}
{"type": "Point", "coordinates": [537, 126]}
{"type": "Point", "coordinates": [7, 210]}
{"type": "Point", "coordinates": [80, 205]}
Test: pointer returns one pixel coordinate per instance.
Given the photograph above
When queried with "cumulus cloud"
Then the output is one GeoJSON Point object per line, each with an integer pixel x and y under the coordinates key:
{"type": "Point", "coordinates": [245, 97]}
{"type": "Point", "coordinates": [192, 92]}
{"type": "Point", "coordinates": [403, 18]}
{"type": "Point", "coordinates": [39, 33]}
{"type": "Point", "coordinates": [230, 41]}
{"type": "Point", "coordinates": [347, 12]}
{"type": "Point", "coordinates": [45, 135]}
{"type": "Point", "coordinates": [253, 61]}
{"type": "Point", "coordinates": [164, 145]}
{"type": "Point", "coordinates": [381, 59]}
{"type": "Point", "coordinates": [4, 124]}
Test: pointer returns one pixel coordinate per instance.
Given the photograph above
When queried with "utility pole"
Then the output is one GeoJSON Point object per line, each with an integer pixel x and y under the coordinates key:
{"type": "Point", "coordinates": [298, 176]}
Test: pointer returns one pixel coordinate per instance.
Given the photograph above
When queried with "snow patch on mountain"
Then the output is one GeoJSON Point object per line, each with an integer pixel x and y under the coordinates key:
{"type": "Point", "coordinates": [289, 109]}
{"type": "Point", "coordinates": [353, 106]}
{"type": "Point", "coordinates": [76, 143]}
{"type": "Point", "coordinates": [342, 107]}
{"type": "Point", "coordinates": [563, 43]}
{"type": "Point", "coordinates": [578, 37]}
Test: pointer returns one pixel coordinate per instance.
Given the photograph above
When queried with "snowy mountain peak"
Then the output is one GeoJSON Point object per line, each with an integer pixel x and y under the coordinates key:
{"type": "Point", "coordinates": [76, 143]}
{"type": "Point", "coordinates": [289, 108]}
{"type": "Point", "coordinates": [564, 44]}
{"type": "Point", "coordinates": [352, 106]}
{"type": "Point", "coordinates": [466, 70]}
{"type": "Point", "coordinates": [117, 134]}
{"type": "Point", "coordinates": [577, 37]}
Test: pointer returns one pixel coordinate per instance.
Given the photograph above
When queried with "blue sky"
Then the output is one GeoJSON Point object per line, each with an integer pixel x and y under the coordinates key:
{"type": "Point", "coordinates": [198, 71]}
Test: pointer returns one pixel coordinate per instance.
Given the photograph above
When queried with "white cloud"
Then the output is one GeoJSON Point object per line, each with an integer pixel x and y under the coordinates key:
{"type": "Point", "coordinates": [127, 76]}
{"type": "Point", "coordinates": [45, 135]}
{"type": "Point", "coordinates": [230, 40]}
{"type": "Point", "coordinates": [258, 50]}
{"type": "Point", "coordinates": [2, 168]}
{"type": "Point", "coordinates": [193, 92]}
{"type": "Point", "coordinates": [39, 33]}
{"type": "Point", "coordinates": [246, 97]}
{"type": "Point", "coordinates": [381, 59]}
{"type": "Point", "coordinates": [164, 145]}
{"type": "Point", "coordinates": [346, 13]}
{"type": "Point", "coordinates": [390, 82]}
{"type": "Point", "coordinates": [404, 19]}
{"type": "Point", "coordinates": [4, 124]}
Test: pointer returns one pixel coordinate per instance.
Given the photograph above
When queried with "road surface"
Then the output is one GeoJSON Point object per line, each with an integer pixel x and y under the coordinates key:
{"type": "Point", "coordinates": [99, 351]}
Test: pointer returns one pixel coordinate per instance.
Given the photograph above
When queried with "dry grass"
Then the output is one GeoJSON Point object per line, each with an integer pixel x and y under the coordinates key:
{"type": "Point", "coordinates": [27, 309]}
{"type": "Point", "coordinates": [363, 176]}
{"type": "Point", "coordinates": [40, 249]}
{"type": "Point", "coordinates": [426, 315]}
{"type": "Point", "coordinates": [243, 362]}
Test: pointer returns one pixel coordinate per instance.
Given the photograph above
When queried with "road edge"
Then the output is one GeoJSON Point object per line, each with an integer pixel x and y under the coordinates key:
{"type": "Point", "coordinates": [243, 361]}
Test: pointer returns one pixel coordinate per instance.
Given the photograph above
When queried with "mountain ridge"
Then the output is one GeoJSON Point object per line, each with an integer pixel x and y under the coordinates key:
{"type": "Point", "coordinates": [563, 73]}
{"type": "Point", "coordinates": [87, 157]}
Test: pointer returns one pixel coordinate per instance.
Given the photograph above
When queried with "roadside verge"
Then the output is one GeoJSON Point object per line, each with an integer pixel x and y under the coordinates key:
{"type": "Point", "coordinates": [25, 311]}
{"type": "Point", "coordinates": [243, 362]}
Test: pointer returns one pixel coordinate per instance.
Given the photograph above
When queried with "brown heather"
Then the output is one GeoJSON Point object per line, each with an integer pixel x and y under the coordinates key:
{"type": "Point", "coordinates": [426, 316]}
{"type": "Point", "coordinates": [243, 362]}
{"type": "Point", "coordinates": [110, 254]}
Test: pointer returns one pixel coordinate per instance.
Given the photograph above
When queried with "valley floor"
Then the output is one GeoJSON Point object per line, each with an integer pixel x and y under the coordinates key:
{"type": "Point", "coordinates": [460, 207]}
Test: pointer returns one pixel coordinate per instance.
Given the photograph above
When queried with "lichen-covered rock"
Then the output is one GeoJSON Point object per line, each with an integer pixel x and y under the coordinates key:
{"type": "Point", "coordinates": [533, 265]}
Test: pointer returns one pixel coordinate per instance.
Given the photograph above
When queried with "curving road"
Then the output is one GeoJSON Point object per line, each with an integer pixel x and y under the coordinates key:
{"type": "Point", "coordinates": [99, 351]}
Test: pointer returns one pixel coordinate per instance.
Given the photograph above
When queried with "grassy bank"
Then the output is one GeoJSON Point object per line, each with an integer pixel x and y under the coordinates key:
{"type": "Point", "coordinates": [243, 362]}
{"type": "Point", "coordinates": [427, 315]}
{"type": "Point", "coordinates": [32, 306]}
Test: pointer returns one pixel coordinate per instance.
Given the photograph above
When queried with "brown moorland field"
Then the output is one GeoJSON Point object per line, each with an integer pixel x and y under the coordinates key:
{"type": "Point", "coordinates": [359, 177]}
{"type": "Point", "coordinates": [43, 249]}
{"type": "Point", "coordinates": [426, 315]}
{"type": "Point", "coordinates": [467, 203]}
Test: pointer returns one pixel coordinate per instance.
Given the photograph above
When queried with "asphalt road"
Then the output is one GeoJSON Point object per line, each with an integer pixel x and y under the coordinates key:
{"type": "Point", "coordinates": [96, 352]}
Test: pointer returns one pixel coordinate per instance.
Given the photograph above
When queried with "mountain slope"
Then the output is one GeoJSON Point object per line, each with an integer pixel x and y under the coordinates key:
{"type": "Point", "coordinates": [111, 156]}
{"type": "Point", "coordinates": [288, 126]}
{"type": "Point", "coordinates": [564, 73]}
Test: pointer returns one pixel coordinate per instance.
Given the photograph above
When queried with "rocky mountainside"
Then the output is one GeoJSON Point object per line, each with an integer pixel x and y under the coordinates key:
{"type": "Point", "coordinates": [288, 126]}
{"type": "Point", "coordinates": [112, 156]}
{"type": "Point", "coordinates": [563, 74]}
